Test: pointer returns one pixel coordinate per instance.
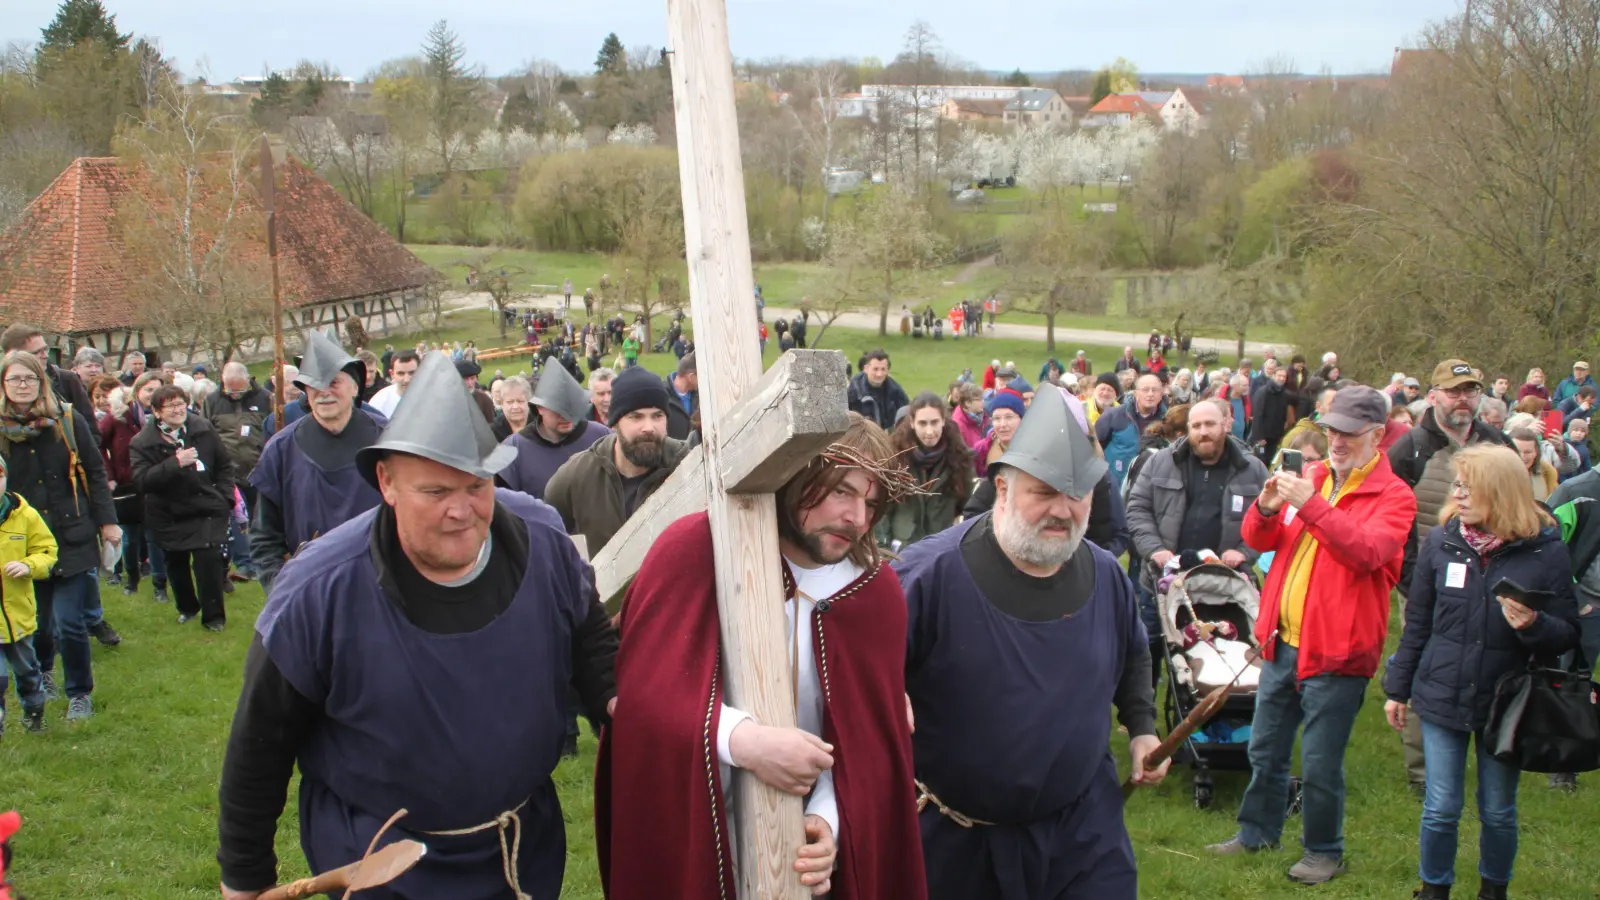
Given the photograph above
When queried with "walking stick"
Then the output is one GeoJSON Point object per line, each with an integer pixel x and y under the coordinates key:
{"type": "Point", "coordinates": [268, 195]}
{"type": "Point", "coordinates": [1196, 719]}
{"type": "Point", "coordinates": [378, 869]}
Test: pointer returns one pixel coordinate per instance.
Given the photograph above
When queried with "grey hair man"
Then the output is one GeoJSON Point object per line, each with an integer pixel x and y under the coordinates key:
{"type": "Point", "coordinates": [600, 394]}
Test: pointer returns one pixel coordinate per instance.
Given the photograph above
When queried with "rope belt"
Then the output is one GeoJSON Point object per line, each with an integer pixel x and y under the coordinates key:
{"type": "Point", "coordinates": [506, 821]}
{"type": "Point", "coordinates": [925, 796]}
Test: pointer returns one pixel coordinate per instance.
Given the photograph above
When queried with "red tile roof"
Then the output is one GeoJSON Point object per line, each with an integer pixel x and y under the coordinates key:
{"type": "Point", "coordinates": [63, 265]}
{"type": "Point", "coordinates": [1131, 104]}
{"type": "Point", "coordinates": [1226, 82]}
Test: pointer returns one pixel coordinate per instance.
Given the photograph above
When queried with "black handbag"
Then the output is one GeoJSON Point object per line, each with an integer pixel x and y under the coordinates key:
{"type": "Point", "coordinates": [1545, 720]}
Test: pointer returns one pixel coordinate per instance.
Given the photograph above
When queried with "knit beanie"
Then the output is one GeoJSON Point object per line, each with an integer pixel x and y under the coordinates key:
{"type": "Point", "coordinates": [1109, 379]}
{"type": "Point", "coordinates": [636, 388]}
{"type": "Point", "coordinates": [1005, 398]}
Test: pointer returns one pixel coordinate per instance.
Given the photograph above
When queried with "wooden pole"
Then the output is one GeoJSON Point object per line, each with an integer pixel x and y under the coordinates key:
{"type": "Point", "coordinates": [269, 190]}
{"type": "Point", "coordinates": [744, 527]}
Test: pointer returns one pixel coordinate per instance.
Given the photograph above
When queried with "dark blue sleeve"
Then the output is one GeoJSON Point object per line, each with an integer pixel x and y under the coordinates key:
{"type": "Point", "coordinates": [1102, 426]}
{"type": "Point", "coordinates": [1556, 628]}
{"type": "Point", "coordinates": [1119, 519]}
{"type": "Point", "coordinates": [1418, 626]}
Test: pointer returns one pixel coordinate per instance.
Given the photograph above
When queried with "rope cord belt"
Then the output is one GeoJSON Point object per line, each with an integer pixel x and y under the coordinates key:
{"type": "Point", "coordinates": [925, 796]}
{"type": "Point", "coordinates": [506, 821]}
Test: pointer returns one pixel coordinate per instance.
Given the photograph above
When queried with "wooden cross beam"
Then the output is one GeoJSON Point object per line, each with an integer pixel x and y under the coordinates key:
{"type": "Point", "coordinates": [795, 410]}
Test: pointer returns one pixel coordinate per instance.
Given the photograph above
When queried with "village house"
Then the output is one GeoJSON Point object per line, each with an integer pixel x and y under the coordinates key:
{"type": "Point", "coordinates": [961, 110]}
{"type": "Point", "coordinates": [65, 266]}
{"type": "Point", "coordinates": [1038, 106]}
{"type": "Point", "coordinates": [1120, 109]}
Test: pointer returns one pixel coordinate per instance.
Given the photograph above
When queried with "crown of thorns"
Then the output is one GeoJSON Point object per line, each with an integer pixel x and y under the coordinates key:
{"type": "Point", "coordinates": [897, 482]}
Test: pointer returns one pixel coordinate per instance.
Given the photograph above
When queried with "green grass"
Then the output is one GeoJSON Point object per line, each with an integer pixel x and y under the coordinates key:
{"type": "Point", "coordinates": [124, 806]}
{"type": "Point", "coordinates": [784, 284]}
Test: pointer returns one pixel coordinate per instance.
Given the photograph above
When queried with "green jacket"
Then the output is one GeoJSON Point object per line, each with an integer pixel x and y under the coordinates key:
{"type": "Point", "coordinates": [920, 515]}
{"type": "Point", "coordinates": [587, 491]}
{"type": "Point", "coordinates": [24, 537]}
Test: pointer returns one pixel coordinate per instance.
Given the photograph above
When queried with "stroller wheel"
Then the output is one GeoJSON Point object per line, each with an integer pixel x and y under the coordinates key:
{"type": "Point", "coordinates": [1296, 793]}
{"type": "Point", "coordinates": [1202, 787]}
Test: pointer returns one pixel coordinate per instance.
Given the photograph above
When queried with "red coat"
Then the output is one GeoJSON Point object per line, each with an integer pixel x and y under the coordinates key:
{"type": "Point", "coordinates": [661, 821]}
{"type": "Point", "coordinates": [116, 433]}
{"type": "Point", "coordinates": [1361, 544]}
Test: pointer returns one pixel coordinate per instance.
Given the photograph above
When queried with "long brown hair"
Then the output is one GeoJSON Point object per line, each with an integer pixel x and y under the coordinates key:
{"type": "Point", "coordinates": [1499, 484]}
{"type": "Point", "coordinates": [820, 476]}
{"type": "Point", "coordinates": [957, 455]}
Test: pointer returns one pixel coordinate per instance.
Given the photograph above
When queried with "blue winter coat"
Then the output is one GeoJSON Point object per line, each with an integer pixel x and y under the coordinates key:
{"type": "Point", "coordinates": [1118, 432]}
{"type": "Point", "coordinates": [1457, 643]}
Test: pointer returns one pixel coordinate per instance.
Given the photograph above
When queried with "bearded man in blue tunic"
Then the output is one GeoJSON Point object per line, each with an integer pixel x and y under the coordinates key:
{"type": "Point", "coordinates": [1021, 637]}
{"type": "Point", "coordinates": [418, 657]}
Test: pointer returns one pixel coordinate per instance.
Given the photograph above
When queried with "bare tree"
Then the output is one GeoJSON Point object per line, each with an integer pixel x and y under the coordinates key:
{"type": "Point", "coordinates": [1056, 265]}
{"type": "Point", "coordinates": [648, 217]}
{"type": "Point", "coordinates": [893, 249]}
{"type": "Point", "coordinates": [187, 219]}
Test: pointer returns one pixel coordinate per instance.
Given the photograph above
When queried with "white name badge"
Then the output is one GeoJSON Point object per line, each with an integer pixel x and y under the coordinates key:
{"type": "Point", "coordinates": [1455, 575]}
{"type": "Point", "coordinates": [244, 430]}
{"type": "Point", "coordinates": [199, 465]}
{"type": "Point", "coordinates": [1288, 514]}
{"type": "Point", "coordinates": [1238, 503]}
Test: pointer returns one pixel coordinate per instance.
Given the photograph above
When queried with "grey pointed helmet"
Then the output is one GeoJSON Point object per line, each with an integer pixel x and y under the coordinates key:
{"type": "Point", "coordinates": [439, 420]}
{"type": "Point", "coordinates": [324, 359]}
{"type": "Point", "coordinates": [560, 393]}
{"type": "Point", "coordinates": [1053, 446]}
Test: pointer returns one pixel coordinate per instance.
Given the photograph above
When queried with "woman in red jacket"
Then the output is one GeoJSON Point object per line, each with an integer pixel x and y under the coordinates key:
{"type": "Point", "coordinates": [1339, 534]}
{"type": "Point", "coordinates": [125, 418]}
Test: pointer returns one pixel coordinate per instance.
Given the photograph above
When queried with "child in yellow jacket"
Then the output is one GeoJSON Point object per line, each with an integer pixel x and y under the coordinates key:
{"type": "Point", "coordinates": [27, 552]}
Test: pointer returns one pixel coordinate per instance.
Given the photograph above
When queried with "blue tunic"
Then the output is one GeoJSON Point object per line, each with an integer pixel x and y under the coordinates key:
{"type": "Point", "coordinates": [313, 500]}
{"type": "Point", "coordinates": [537, 461]}
{"type": "Point", "coordinates": [1013, 727]}
{"type": "Point", "coordinates": [457, 729]}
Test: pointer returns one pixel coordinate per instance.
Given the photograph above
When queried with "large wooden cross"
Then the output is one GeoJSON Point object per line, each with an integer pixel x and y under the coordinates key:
{"type": "Point", "coordinates": [757, 432]}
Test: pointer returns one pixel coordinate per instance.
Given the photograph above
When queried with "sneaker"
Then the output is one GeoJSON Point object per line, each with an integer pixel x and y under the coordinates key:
{"type": "Point", "coordinates": [1236, 846]}
{"type": "Point", "coordinates": [33, 720]}
{"type": "Point", "coordinates": [185, 618]}
{"type": "Point", "coordinates": [128, 590]}
{"type": "Point", "coordinates": [227, 586]}
{"type": "Point", "coordinates": [1565, 782]}
{"type": "Point", "coordinates": [214, 627]}
{"type": "Point", "coordinates": [47, 683]}
{"type": "Point", "coordinates": [1315, 868]}
{"type": "Point", "coordinates": [80, 708]}
{"type": "Point", "coordinates": [105, 634]}
{"type": "Point", "coordinates": [241, 575]}
{"type": "Point", "coordinates": [113, 579]}
{"type": "Point", "coordinates": [161, 595]}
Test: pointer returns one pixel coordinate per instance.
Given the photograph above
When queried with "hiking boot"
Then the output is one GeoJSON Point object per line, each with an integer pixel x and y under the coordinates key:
{"type": "Point", "coordinates": [47, 683]}
{"type": "Point", "coordinates": [1565, 782]}
{"type": "Point", "coordinates": [105, 634]}
{"type": "Point", "coordinates": [1432, 892]}
{"type": "Point", "coordinates": [33, 720]}
{"type": "Point", "coordinates": [1492, 890]}
{"type": "Point", "coordinates": [1315, 868]}
{"type": "Point", "coordinates": [161, 595]}
{"type": "Point", "coordinates": [80, 708]}
{"type": "Point", "coordinates": [227, 585]}
{"type": "Point", "coordinates": [1235, 846]}
{"type": "Point", "coordinates": [214, 627]}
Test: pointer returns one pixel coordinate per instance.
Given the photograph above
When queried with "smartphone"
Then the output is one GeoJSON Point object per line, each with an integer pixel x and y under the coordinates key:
{"type": "Point", "coordinates": [1291, 461]}
{"type": "Point", "coordinates": [1534, 600]}
{"type": "Point", "coordinates": [1553, 426]}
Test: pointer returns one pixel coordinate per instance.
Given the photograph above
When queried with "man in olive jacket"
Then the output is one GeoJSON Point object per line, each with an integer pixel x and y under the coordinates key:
{"type": "Point", "coordinates": [596, 491]}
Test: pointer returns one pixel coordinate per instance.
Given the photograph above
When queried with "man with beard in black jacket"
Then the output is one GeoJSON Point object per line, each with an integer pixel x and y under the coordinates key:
{"type": "Point", "coordinates": [875, 395]}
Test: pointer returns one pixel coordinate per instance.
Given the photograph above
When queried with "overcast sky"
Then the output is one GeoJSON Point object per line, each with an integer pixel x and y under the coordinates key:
{"type": "Point", "coordinates": [234, 38]}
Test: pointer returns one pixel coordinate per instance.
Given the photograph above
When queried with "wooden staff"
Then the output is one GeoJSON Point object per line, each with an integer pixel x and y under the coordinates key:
{"type": "Point", "coordinates": [378, 869]}
{"type": "Point", "coordinates": [268, 195]}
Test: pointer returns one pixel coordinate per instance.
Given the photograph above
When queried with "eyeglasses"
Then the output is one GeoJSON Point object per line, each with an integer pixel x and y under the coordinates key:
{"type": "Point", "coordinates": [175, 407]}
{"type": "Point", "coordinates": [1470, 393]}
{"type": "Point", "coordinates": [22, 380]}
{"type": "Point", "coordinates": [1347, 435]}
{"type": "Point", "coordinates": [1459, 488]}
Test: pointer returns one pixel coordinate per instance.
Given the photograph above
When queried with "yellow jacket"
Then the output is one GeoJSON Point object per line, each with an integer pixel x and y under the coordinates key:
{"type": "Point", "coordinates": [24, 537]}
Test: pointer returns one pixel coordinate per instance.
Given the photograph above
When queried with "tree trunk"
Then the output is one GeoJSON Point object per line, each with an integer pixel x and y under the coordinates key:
{"type": "Point", "coordinates": [883, 319]}
{"type": "Point", "coordinates": [1241, 345]}
{"type": "Point", "coordinates": [1050, 332]}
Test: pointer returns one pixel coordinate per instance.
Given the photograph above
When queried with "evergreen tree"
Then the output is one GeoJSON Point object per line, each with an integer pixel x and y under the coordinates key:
{"type": "Point", "coordinates": [1102, 86]}
{"type": "Point", "coordinates": [270, 109]}
{"type": "Point", "coordinates": [1019, 79]}
{"type": "Point", "coordinates": [454, 91]}
{"type": "Point", "coordinates": [78, 21]}
{"type": "Point", "coordinates": [613, 60]}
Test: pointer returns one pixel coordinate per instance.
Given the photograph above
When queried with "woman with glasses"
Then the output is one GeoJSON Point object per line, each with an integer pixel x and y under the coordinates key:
{"type": "Point", "coordinates": [56, 466]}
{"type": "Point", "coordinates": [1460, 638]}
{"type": "Point", "coordinates": [186, 477]}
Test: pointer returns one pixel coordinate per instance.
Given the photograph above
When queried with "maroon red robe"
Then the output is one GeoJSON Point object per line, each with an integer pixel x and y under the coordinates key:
{"type": "Point", "coordinates": [660, 816]}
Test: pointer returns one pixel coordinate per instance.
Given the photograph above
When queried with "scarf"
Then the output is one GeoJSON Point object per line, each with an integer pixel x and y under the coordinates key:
{"type": "Point", "coordinates": [927, 459]}
{"type": "Point", "coordinates": [1480, 541]}
{"type": "Point", "coordinates": [176, 433]}
{"type": "Point", "coordinates": [17, 429]}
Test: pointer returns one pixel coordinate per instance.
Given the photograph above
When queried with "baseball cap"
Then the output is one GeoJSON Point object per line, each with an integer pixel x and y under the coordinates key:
{"type": "Point", "coordinates": [1006, 371]}
{"type": "Point", "coordinates": [1453, 373]}
{"type": "Point", "coordinates": [1356, 409]}
{"type": "Point", "coordinates": [1580, 364]}
{"type": "Point", "coordinates": [1412, 382]}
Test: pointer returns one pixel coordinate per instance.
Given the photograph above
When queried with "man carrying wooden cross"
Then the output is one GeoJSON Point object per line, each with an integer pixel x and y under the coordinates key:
{"type": "Point", "coordinates": [665, 764]}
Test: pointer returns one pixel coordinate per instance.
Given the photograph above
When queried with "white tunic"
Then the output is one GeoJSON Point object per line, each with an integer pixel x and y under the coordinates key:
{"type": "Point", "coordinates": [816, 584]}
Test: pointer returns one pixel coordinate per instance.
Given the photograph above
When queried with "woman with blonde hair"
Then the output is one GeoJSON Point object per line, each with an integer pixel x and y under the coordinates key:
{"type": "Point", "coordinates": [54, 463]}
{"type": "Point", "coordinates": [1460, 638]}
